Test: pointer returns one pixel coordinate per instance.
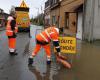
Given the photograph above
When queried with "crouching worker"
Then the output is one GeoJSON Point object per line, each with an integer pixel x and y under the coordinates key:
{"type": "Point", "coordinates": [11, 30]}
{"type": "Point", "coordinates": [43, 40]}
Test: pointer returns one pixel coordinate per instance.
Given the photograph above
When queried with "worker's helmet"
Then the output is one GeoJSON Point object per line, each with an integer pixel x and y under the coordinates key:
{"type": "Point", "coordinates": [57, 30]}
{"type": "Point", "coordinates": [10, 18]}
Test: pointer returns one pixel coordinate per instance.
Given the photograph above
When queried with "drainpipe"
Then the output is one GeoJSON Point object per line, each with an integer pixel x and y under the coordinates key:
{"type": "Point", "coordinates": [90, 39]}
{"type": "Point", "coordinates": [83, 19]}
{"type": "Point", "coordinates": [91, 24]}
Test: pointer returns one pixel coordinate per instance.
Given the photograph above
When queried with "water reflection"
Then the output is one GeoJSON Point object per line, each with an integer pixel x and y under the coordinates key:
{"type": "Point", "coordinates": [85, 64]}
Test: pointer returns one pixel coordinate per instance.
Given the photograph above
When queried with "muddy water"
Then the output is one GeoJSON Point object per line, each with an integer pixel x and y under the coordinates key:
{"type": "Point", "coordinates": [85, 64]}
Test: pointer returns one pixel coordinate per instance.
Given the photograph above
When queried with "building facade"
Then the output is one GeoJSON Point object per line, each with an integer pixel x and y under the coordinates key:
{"type": "Point", "coordinates": [47, 13]}
{"type": "Point", "coordinates": [91, 20]}
{"type": "Point", "coordinates": [67, 14]}
{"type": "Point", "coordinates": [3, 18]}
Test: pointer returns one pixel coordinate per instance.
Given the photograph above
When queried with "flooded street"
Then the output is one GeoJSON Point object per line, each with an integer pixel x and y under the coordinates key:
{"type": "Point", "coordinates": [71, 26]}
{"type": "Point", "coordinates": [85, 63]}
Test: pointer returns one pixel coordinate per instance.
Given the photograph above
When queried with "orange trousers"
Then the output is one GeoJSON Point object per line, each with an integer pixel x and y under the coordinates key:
{"type": "Point", "coordinates": [12, 43]}
{"type": "Point", "coordinates": [46, 48]}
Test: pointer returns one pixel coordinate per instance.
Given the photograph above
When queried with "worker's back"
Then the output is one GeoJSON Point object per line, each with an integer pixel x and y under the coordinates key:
{"type": "Point", "coordinates": [48, 34]}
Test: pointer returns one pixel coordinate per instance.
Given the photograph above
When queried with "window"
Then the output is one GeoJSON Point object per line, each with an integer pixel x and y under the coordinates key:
{"type": "Point", "coordinates": [67, 20]}
{"type": "Point", "coordinates": [55, 1]}
{"type": "Point", "coordinates": [53, 19]}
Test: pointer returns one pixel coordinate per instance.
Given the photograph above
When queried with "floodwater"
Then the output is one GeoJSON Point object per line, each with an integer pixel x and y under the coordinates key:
{"type": "Point", "coordinates": [85, 63]}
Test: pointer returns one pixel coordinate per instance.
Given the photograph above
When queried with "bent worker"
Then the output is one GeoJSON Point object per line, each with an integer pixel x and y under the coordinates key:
{"type": "Point", "coordinates": [11, 30]}
{"type": "Point", "coordinates": [43, 40]}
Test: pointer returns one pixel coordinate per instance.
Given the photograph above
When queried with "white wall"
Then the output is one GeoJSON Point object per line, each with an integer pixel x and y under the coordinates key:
{"type": "Point", "coordinates": [92, 20]}
{"type": "Point", "coordinates": [79, 26]}
{"type": "Point", "coordinates": [96, 30]}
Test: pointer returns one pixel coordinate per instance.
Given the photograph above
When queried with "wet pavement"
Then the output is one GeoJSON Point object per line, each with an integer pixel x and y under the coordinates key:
{"type": "Point", "coordinates": [85, 63]}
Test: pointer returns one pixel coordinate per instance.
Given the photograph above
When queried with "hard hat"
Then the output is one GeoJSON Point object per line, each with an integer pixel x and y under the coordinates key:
{"type": "Point", "coordinates": [10, 18]}
{"type": "Point", "coordinates": [57, 30]}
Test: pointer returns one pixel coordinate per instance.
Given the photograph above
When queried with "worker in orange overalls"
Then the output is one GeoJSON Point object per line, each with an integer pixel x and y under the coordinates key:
{"type": "Point", "coordinates": [42, 40]}
{"type": "Point", "coordinates": [11, 30]}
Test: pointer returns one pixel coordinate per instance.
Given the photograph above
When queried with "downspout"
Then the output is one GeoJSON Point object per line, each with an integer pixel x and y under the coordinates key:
{"type": "Point", "coordinates": [83, 19]}
{"type": "Point", "coordinates": [90, 39]}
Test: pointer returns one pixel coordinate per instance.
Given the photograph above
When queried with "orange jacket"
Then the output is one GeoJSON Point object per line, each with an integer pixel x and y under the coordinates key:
{"type": "Point", "coordinates": [9, 31]}
{"type": "Point", "coordinates": [48, 34]}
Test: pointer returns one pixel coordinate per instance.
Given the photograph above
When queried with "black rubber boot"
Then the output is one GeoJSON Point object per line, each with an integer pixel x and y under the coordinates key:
{"type": "Point", "coordinates": [48, 62]}
{"type": "Point", "coordinates": [30, 61]}
{"type": "Point", "coordinates": [13, 53]}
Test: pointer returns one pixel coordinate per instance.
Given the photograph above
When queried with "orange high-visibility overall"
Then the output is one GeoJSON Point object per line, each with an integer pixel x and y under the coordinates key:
{"type": "Point", "coordinates": [45, 37]}
{"type": "Point", "coordinates": [9, 33]}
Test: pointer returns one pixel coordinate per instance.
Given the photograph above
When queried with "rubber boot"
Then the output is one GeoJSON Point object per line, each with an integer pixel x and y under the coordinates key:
{"type": "Point", "coordinates": [30, 60]}
{"type": "Point", "coordinates": [48, 62]}
{"type": "Point", "coordinates": [13, 53]}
